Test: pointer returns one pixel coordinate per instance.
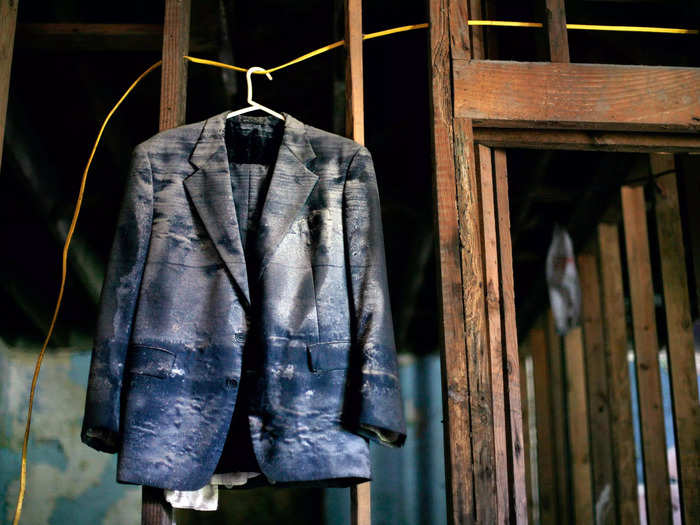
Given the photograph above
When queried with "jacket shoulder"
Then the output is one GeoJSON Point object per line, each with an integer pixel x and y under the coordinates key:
{"type": "Point", "coordinates": [327, 143]}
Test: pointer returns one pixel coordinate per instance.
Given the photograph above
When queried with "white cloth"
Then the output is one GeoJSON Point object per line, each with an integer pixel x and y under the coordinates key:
{"type": "Point", "coordinates": [207, 498]}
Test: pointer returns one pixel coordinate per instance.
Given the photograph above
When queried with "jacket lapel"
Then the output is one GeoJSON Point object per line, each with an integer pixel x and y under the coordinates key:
{"type": "Point", "coordinates": [290, 186]}
{"type": "Point", "coordinates": [209, 188]}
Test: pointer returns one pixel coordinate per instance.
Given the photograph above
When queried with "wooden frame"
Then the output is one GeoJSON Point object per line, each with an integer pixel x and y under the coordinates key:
{"type": "Point", "coordinates": [477, 106]}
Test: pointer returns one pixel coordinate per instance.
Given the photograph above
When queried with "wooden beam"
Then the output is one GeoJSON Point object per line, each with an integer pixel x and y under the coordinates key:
{"type": "Point", "coordinates": [495, 344]}
{"type": "Point", "coordinates": [516, 457]}
{"type": "Point", "coordinates": [558, 36]}
{"type": "Point", "coordinates": [176, 42]}
{"type": "Point", "coordinates": [597, 388]}
{"type": "Point", "coordinates": [679, 327]}
{"type": "Point", "coordinates": [647, 353]}
{"type": "Point", "coordinates": [527, 397]}
{"type": "Point", "coordinates": [551, 139]}
{"type": "Point", "coordinates": [557, 386]}
{"type": "Point", "coordinates": [582, 96]}
{"type": "Point", "coordinates": [579, 430]}
{"type": "Point", "coordinates": [455, 390]}
{"type": "Point", "coordinates": [61, 37]}
{"type": "Point", "coordinates": [546, 475]}
{"type": "Point", "coordinates": [8, 22]}
{"type": "Point", "coordinates": [360, 504]}
{"type": "Point", "coordinates": [615, 332]}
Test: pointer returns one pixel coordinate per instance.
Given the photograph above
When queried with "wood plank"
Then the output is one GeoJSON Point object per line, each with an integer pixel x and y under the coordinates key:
{"type": "Point", "coordinates": [615, 333]}
{"type": "Point", "coordinates": [493, 312]}
{"type": "Point", "coordinates": [583, 96]}
{"type": "Point", "coordinates": [646, 350]}
{"type": "Point", "coordinates": [579, 430]}
{"type": "Point", "coordinates": [458, 464]}
{"type": "Point", "coordinates": [681, 351]}
{"type": "Point", "coordinates": [354, 86]}
{"type": "Point", "coordinates": [549, 139]}
{"type": "Point", "coordinates": [155, 510]}
{"type": "Point", "coordinates": [516, 471]}
{"type": "Point", "coordinates": [360, 500]}
{"type": "Point", "coordinates": [558, 36]}
{"type": "Point", "coordinates": [557, 385]}
{"type": "Point", "coordinates": [8, 22]}
{"type": "Point", "coordinates": [597, 389]}
{"type": "Point", "coordinates": [62, 36]}
{"type": "Point", "coordinates": [546, 475]}
{"type": "Point", "coordinates": [173, 84]}
{"type": "Point", "coordinates": [173, 97]}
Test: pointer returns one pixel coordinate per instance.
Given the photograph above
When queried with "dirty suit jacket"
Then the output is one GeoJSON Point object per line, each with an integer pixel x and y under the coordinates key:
{"type": "Point", "coordinates": [301, 315]}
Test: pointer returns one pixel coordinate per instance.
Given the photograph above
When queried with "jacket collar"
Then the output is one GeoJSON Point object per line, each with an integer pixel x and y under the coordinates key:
{"type": "Point", "coordinates": [209, 187]}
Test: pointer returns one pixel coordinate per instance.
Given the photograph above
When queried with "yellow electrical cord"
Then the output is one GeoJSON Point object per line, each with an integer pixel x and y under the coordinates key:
{"type": "Point", "coordinates": [78, 205]}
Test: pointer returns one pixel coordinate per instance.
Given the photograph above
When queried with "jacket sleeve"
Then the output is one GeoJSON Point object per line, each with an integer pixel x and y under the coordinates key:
{"type": "Point", "coordinates": [120, 289]}
{"type": "Point", "coordinates": [374, 407]}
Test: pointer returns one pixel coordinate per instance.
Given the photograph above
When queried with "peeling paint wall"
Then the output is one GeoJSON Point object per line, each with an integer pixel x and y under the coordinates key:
{"type": "Point", "coordinates": [67, 482]}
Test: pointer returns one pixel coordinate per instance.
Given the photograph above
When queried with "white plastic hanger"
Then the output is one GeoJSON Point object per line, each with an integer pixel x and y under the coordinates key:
{"type": "Point", "coordinates": [254, 105]}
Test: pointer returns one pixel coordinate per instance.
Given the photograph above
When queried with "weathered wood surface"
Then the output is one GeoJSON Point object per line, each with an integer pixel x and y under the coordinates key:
{"type": "Point", "coordinates": [458, 464]}
{"type": "Point", "coordinates": [579, 429]}
{"type": "Point", "coordinates": [527, 398]}
{"type": "Point", "coordinates": [615, 332]}
{"type": "Point", "coordinates": [543, 406]}
{"type": "Point", "coordinates": [646, 350]}
{"type": "Point", "coordinates": [8, 22]}
{"type": "Point", "coordinates": [557, 34]}
{"type": "Point", "coordinates": [549, 139]}
{"type": "Point", "coordinates": [176, 42]}
{"type": "Point", "coordinates": [557, 385]}
{"type": "Point", "coordinates": [597, 389]}
{"type": "Point", "coordinates": [516, 482]}
{"type": "Point", "coordinates": [681, 351]}
{"type": "Point", "coordinates": [583, 96]}
{"type": "Point", "coordinates": [493, 312]}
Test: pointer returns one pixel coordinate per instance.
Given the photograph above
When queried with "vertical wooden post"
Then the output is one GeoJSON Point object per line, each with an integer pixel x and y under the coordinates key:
{"type": "Point", "coordinates": [360, 495]}
{"type": "Point", "coordinates": [615, 330]}
{"type": "Point", "coordinates": [646, 348]}
{"type": "Point", "coordinates": [555, 14]}
{"type": "Point", "coordinates": [526, 395]}
{"type": "Point", "coordinates": [514, 437]}
{"type": "Point", "coordinates": [681, 351]}
{"type": "Point", "coordinates": [545, 443]}
{"type": "Point", "coordinates": [579, 430]}
{"type": "Point", "coordinates": [597, 388]}
{"type": "Point", "coordinates": [173, 97]}
{"type": "Point", "coordinates": [8, 23]}
{"type": "Point", "coordinates": [455, 389]}
{"type": "Point", "coordinates": [557, 385]}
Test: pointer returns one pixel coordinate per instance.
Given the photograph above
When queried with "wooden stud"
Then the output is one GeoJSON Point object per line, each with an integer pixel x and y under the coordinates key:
{"type": "Point", "coordinates": [360, 501]}
{"type": "Point", "coordinates": [550, 139]}
{"type": "Point", "coordinates": [555, 15]}
{"type": "Point", "coordinates": [583, 96]}
{"type": "Point", "coordinates": [518, 503]}
{"type": "Point", "coordinates": [526, 394]}
{"type": "Point", "coordinates": [615, 331]}
{"type": "Point", "coordinates": [579, 431]}
{"type": "Point", "coordinates": [8, 22]}
{"type": "Point", "coordinates": [597, 388]}
{"type": "Point", "coordinates": [176, 42]}
{"type": "Point", "coordinates": [646, 350]}
{"type": "Point", "coordinates": [557, 385]}
{"type": "Point", "coordinates": [493, 311]}
{"type": "Point", "coordinates": [546, 475]}
{"type": "Point", "coordinates": [681, 351]}
{"type": "Point", "coordinates": [458, 463]}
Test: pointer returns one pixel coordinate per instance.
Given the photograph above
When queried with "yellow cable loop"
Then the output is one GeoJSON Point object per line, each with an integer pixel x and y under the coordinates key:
{"type": "Point", "coordinates": [76, 212]}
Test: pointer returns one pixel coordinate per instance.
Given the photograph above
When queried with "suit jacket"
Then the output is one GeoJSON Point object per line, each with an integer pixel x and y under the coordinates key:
{"type": "Point", "coordinates": [308, 301]}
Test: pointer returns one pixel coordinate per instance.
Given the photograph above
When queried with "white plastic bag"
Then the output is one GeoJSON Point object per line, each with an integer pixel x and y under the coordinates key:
{"type": "Point", "coordinates": [562, 280]}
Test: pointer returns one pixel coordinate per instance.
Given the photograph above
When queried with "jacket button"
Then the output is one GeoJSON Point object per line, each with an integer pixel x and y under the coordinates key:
{"type": "Point", "coordinates": [231, 382]}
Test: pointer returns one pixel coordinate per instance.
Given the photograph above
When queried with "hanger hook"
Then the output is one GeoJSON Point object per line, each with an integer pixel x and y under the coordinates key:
{"type": "Point", "coordinates": [249, 81]}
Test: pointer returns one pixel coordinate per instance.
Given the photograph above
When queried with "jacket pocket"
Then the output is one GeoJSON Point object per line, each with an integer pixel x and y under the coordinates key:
{"type": "Point", "coordinates": [150, 361]}
{"type": "Point", "coordinates": [333, 355]}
